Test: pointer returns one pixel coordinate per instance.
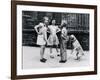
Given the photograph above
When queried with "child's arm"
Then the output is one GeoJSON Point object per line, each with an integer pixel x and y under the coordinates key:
{"type": "Point", "coordinates": [37, 26]}
{"type": "Point", "coordinates": [45, 34]}
{"type": "Point", "coordinates": [48, 30]}
{"type": "Point", "coordinates": [58, 29]}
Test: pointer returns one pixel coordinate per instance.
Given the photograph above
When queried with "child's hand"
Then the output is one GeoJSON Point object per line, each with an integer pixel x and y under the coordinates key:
{"type": "Point", "coordinates": [39, 33]}
{"type": "Point", "coordinates": [46, 41]}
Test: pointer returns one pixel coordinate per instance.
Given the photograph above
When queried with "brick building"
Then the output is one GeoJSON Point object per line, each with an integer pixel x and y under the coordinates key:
{"type": "Point", "coordinates": [78, 24]}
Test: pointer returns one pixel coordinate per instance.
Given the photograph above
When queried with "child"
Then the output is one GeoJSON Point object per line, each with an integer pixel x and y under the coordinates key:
{"type": "Point", "coordinates": [42, 37]}
{"type": "Point", "coordinates": [78, 51]}
{"type": "Point", "coordinates": [63, 42]}
{"type": "Point", "coordinates": [53, 39]}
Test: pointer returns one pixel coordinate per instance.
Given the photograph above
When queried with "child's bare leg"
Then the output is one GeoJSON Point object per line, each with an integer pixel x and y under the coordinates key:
{"type": "Point", "coordinates": [42, 49]}
{"type": "Point", "coordinates": [57, 49]}
{"type": "Point", "coordinates": [58, 54]}
{"type": "Point", "coordinates": [50, 49]}
{"type": "Point", "coordinates": [51, 54]}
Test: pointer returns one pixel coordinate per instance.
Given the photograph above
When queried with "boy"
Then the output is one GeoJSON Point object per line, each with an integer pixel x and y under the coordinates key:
{"type": "Point", "coordinates": [63, 42]}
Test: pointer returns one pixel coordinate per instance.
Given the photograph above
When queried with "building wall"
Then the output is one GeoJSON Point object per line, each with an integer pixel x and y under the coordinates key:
{"type": "Point", "coordinates": [78, 24]}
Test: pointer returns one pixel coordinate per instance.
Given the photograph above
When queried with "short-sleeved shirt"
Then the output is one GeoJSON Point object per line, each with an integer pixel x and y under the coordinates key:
{"type": "Point", "coordinates": [64, 33]}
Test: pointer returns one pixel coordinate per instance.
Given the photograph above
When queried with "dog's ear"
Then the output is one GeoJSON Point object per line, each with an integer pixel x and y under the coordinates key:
{"type": "Point", "coordinates": [71, 38]}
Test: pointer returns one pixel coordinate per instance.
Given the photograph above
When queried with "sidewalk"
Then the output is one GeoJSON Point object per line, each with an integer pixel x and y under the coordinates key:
{"type": "Point", "coordinates": [31, 59]}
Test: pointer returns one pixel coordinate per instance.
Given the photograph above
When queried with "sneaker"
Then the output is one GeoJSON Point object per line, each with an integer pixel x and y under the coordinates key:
{"type": "Point", "coordinates": [83, 54]}
{"type": "Point", "coordinates": [51, 56]}
{"type": "Point", "coordinates": [43, 60]}
{"type": "Point", "coordinates": [62, 61]}
{"type": "Point", "coordinates": [58, 54]}
{"type": "Point", "coordinates": [78, 58]}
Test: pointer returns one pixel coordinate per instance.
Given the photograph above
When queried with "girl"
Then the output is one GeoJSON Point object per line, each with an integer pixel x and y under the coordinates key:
{"type": "Point", "coordinates": [42, 36]}
{"type": "Point", "coordinates": [53, 39]}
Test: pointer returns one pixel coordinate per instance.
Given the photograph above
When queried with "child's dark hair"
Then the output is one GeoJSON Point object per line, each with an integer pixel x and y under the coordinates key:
{"type": "Point", "coordinates": [64, 25]}
{"type": "Point", "coordinates": [50, 23]}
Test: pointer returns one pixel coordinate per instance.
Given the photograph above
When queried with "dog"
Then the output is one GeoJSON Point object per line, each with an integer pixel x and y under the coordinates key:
{"type": "Point", "coordinates": [77, 48]}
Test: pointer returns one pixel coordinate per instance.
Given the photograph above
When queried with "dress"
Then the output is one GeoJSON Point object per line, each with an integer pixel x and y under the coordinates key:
{"type": "Point", "coordinates": [53, 39]}
{"type": "Point", "coordinates": [40, 37]}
